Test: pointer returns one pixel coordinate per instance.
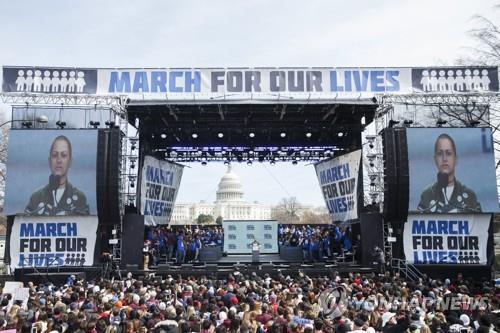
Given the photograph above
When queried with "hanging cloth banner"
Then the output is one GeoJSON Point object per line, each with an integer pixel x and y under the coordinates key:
{"type": "Point", "coordinates": [53, 241]}
{"type": "Point", "coordinates": [446, 239]}
{"type": "Point", "coordinates": [160, 181]}
{"type": "Point", "coordinates": [338, 178]}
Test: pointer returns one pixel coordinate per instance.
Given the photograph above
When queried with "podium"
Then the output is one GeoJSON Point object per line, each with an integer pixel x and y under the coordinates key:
{"type": "Point", "coordinates": [255, 253]}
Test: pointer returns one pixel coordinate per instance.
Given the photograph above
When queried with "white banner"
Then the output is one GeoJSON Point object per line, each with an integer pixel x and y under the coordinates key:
{"type": "Point", "coordinates": [273, 84]}
{"type": "Point", "coordinates": [53, 241]}
{"type": "Point", "coordinates": [160, 181]}
{"type": "Point", "coordinates": [247, 85]}
{"type": "Point", "coordinates": [338, 178]}
{"type": "Point", "coordinates": [446, 239]}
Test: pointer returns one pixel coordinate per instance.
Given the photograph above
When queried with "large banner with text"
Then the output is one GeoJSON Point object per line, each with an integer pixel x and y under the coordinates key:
{"type": "Point", "coordinates": [239, 236]}
{"type": "Point", "coordinates": [446, 239]}
{"type": "Point", "coordinates": [160, 181]}
{"type": "Point", "coordinates": [53, 241]}
{"type": "Point", "coordinates": [246, 84]}
{"type": "Point", "coordinates": [338, 178]}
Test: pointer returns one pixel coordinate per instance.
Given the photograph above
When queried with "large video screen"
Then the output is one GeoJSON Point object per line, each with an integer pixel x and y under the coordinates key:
{"type": "Point", "coordinates": [239, 236]}
{"type": "Point", "coordinates": [51, 173]}
{"type": "Point", "coordinates": [451, 170]}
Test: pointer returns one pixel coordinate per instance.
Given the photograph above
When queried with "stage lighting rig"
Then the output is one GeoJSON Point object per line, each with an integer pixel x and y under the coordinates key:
{"type": "Point", "coordinates": [110, 124]}
{"type": "Point", "coordinates": [61, 124]}
{"type": "Point", "coordinates": [94, 124]}
{"type": "Point", "coordinates": [408, 122]}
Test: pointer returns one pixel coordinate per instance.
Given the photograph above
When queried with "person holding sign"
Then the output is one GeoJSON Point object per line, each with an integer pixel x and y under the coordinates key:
{"type": "Point", "coordinates": [447, 194]}
{"type": "Point", "coordinates": [59, 197]}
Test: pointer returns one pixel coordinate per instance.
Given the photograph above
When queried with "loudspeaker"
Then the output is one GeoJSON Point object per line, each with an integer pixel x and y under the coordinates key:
{"type": "Point", "coordinates": [108, 175]}
{"type": "Point", "coordinates": [396, 180]}
{"type": "Point", "coordinates": [372, 234]}
{"type": "Point", "coordinates": [291, 253]}
{"type": "Point", "coordinates": [163, 267]}
{"type": "Point", "coordinates": [131, 267]}
{"type": "Point", "coordinates": [132, 239]}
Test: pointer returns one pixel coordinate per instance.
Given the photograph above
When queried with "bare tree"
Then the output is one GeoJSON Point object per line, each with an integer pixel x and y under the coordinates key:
{"type": "Point", "coordinates": [487, 38]}
{"type": "Point", "coordinates": [286, 211]}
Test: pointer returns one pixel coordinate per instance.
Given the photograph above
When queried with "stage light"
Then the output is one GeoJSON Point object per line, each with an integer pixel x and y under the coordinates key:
{"type": "Point", "coordinates": [26, 124]}
{"type": "Point", "coordinates": [194, 136]}
{"type": "Point", "coordinates": [204, 163]}
{"type": "Point", "coordinates": [440, 122]}
{"type": "Point", "coordinates": [273, 162]}
{"type": "Point", "coordinates": [249, 162]}
{"type": "Point", "coordinates": [340, 134]}
{"type": "Point", "coordinates": [163, 136]}
{"type": "Point", "coordinates": [474, 123]}
{"type": "Point", "coordinates": [220, 135]}
{"type": "Point", "coordinates": [226, 162]}
{"type": "Point", "coordinates": [110, 124]}
{"type": "Point", "coordinates": [392, 122]}
{"type": "Point", "coordinates": [308, 134]}
{"type": "Point", "coordinates": [294, 162]}
{"type": "Point", "coordinates": [407, 122]}
{"type": "Point", "coordinates": [283, 134]}
{"type": "Point", "coordinates": [61, 124]}
{"type": "Point", "coordinates": [94, 124]}
{"type": "Point", "coordinates": [252, 134]}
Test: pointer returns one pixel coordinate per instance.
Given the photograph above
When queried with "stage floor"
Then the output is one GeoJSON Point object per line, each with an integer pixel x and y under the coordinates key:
{"type": "Point", "coordinates": [247, 258]}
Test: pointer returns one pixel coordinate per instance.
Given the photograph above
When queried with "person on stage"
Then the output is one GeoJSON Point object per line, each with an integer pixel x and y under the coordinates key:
{"type": "Point", "coordinates": [59, 196]}
{"type": "Point", "coordinates": [447, 194]}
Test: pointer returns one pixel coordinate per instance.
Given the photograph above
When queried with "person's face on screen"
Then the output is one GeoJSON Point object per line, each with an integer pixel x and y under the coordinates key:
{"type": "Point", "coordinates": [60, 159]}
{"type": "Point", "coordinates": [445, 157]}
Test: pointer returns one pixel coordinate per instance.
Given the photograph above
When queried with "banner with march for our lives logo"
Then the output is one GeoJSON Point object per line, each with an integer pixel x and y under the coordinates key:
{"type": "Point", "coordinates": [53, 241]}
{"type": "Point", "coordinates": [338, 179]}
{"type": "Point", "coordinates": [446, 239]}
{"type": "Point", "coordinates": [160, 181]}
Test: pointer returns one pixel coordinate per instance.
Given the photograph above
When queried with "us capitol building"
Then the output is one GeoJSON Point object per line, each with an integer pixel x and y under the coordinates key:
{"type": "Point", "coordinates": [229, 204]}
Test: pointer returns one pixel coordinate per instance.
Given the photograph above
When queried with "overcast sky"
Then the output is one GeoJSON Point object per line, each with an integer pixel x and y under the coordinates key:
{"type": "Point", "coordinates": [249, 33]}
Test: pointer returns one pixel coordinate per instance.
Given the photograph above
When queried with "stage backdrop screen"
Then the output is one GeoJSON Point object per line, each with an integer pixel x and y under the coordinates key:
{"type": "Point", "coordinates": [53, 241]}
{"type": "Point", "coordinates": [338, 178]}
{"type": "Point", "coordinates": [451, 170]}
{"type": "Point", "coordinates": [51, 172]}
{"type": "Point", "coordinates": [446, 238]}
{"type": "Point", "coordinates": [239, 236]}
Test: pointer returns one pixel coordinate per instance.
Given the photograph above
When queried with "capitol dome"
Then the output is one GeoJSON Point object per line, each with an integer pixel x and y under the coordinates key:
{"type": "Point", "coordinates": [230, 188]}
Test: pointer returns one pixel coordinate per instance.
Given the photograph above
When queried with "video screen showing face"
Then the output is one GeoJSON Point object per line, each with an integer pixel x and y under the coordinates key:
{"type": "Point", "coordinates": [51, 173]}
{"type": "Point", "coordinates": [451, 170]}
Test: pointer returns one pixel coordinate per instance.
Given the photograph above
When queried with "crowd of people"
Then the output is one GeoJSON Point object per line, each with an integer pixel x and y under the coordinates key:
{"type": "Point", "coordinates": [180, 244]}
{"type": "Point", "coordinates": [183, 243]}
{"type": "Point", "coordinates": [240, 303]}
{"type": "Point", "coordinates": [317, 242]}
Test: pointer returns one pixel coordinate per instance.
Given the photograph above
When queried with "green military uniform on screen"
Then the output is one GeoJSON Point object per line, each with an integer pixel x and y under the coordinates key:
{"type": "Point", "coordinates": [72, 202]}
